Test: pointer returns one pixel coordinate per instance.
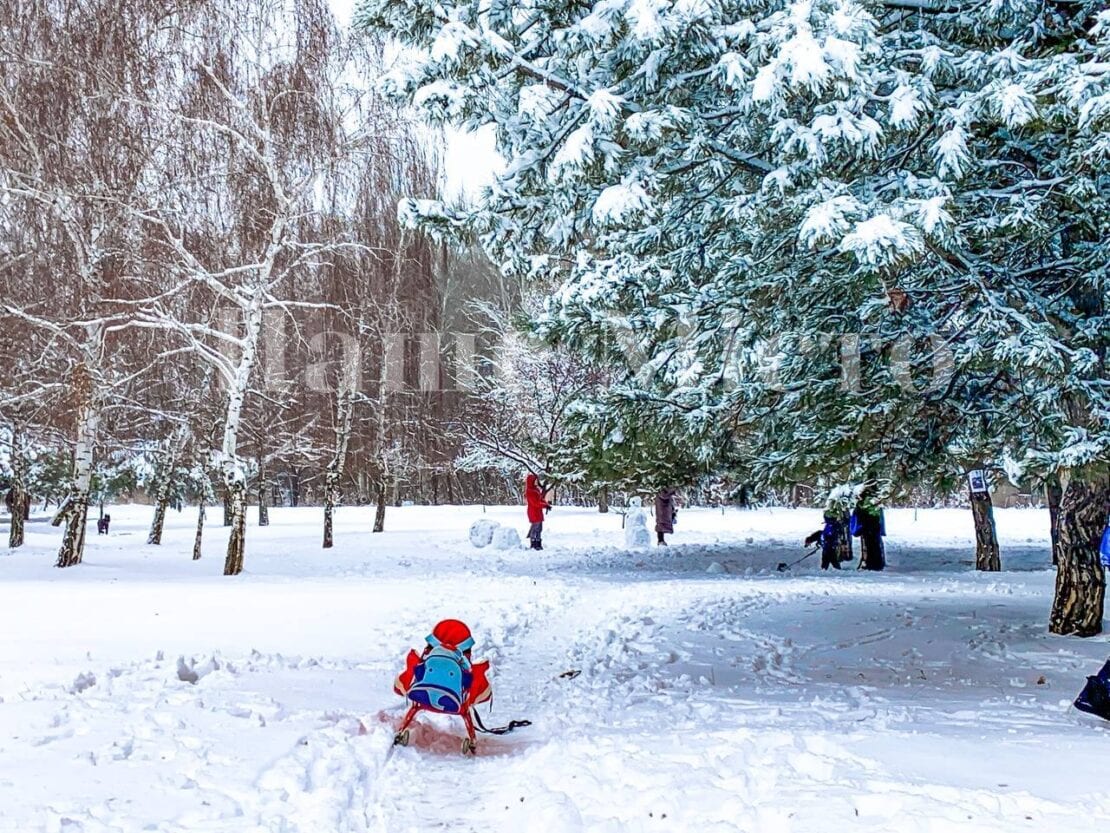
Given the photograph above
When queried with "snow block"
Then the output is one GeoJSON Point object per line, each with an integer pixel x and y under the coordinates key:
{"type": "Point", "coordinates": [481, 532]}
{"type": "Point", "coordinates": [716, 567]}
{"type": "Point", "coordinates": [506, 538]}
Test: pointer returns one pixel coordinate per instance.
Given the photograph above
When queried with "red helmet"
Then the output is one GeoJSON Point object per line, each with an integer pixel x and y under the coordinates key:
{"type": "Point", "coordinates": [452, 633]}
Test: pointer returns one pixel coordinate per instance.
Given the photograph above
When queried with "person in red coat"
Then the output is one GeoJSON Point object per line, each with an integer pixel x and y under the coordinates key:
{"type": "Point", "coordinates": [537, 505]}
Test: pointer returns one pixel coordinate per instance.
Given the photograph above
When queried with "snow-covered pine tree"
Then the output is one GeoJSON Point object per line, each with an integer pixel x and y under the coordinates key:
{"type": "Point", "coordinates": [713, 186]}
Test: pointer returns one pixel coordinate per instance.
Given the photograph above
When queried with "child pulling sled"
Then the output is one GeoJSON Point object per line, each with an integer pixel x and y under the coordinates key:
{"type": "Point", "coordinates": [444, 679]}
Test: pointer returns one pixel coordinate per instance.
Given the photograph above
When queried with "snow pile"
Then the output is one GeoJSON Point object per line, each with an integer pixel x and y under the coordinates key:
{"type": "Point", "coordinates": [506, 538]}
{"type": "Point", "coordinates": [481, 532]}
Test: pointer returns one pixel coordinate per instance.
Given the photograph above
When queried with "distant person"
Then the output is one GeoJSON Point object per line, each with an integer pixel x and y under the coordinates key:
{"type": "Point", "coordinates": [869, 525]}
{"type": "Point", "coordinates": [102, 525]}
{"type": "Point", "coordinates": [537, 504]}
{"type": "Point", "coordinates": [831, 537]}
{"type": "Point", "coordinates": [666, 514]}
{"type": "Point", "coordinates": [744, 498]}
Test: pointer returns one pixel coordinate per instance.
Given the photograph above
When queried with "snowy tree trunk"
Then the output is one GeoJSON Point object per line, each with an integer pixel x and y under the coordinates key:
{"type": "Point", "coordinates": [1080, 579]}
{"type": "Point", "coordinates": [603, 501]}
{"type": "Point", "coordinates": [233, 563]}
{"type": "Point", "coordinates": [986, 537]}
{"type": "Point", "coordinates": [160, 505]}
{"type": "Point", "coordinates": [344, 408]}
{"type": "Point", "coordinates": [379, 515]}
{"type": "Point", "coordinates": [76, 515]}
{"type": "Point", "coordinates": [1053, 493]}
{"type": "Point", "coordinates": [200, 530]}
{"type": "Point", "coordinates": [20, 498]}
{"type": "Point", "coordinates": [263, 509]}
{"type": "Point", "coordinates": [165, 482]}
{"type": "Point", "coordinates": [331, 488]}
{"type": "Point", "coordinates": [234, 476]}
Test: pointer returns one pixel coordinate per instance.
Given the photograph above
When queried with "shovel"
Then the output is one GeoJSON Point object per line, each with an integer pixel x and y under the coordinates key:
{"type": "Point", "coordinates": [783, 566]}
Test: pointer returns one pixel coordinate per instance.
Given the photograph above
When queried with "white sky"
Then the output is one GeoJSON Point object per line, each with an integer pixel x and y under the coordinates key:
{"type": "Point", "coordinates": [470, 159]}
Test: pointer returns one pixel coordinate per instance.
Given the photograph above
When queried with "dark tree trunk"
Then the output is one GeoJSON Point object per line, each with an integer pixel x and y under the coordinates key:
{"type": "Point", "coordinates": [1053, 494]}
{"type": "Point", "coordinates": [603, 501]}
{"type": "Point", "coordinates": [16, 530]}
{"type": "Point", "coordinates": [331, 496]}
{"type": "Point", "coordinates": [263, 509]}
{"type": "Point", "coordinates": [379, 515]}
{"type": "Point", "coordinates": [1077, 608]}
{"type": "Point", "coordinates": [986, 538]}
{"type": "Point", "coordinates": [227, 507]}
{"type": "Point", "coordinates": [200, 531]}
{"type": "Point", "coordinates": [21, 501]}
{"type": "Point", "coordinates": [236, 542]}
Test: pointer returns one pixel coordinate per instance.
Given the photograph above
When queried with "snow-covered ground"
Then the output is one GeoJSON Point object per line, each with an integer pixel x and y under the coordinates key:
{"type": "Point", "coordinates": [143, 691]}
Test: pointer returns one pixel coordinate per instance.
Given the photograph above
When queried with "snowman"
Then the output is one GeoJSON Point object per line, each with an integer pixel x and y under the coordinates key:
{"type": "Point", "coordinates": [636, 535]}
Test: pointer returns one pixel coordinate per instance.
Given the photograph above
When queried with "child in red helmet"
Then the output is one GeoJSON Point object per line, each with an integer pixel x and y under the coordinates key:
{"type": "Point", "coordinates": [443, 679]}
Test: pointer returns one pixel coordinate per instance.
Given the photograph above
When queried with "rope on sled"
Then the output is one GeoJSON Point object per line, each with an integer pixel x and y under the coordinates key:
{"type": "Point", "coordinates": [499, 730]}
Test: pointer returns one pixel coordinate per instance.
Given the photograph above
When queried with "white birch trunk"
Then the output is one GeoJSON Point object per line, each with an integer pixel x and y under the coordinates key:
{"type": "Point", "coordinates": [76, 514]}
{"type": "Point", "coordinates": [232, 467]}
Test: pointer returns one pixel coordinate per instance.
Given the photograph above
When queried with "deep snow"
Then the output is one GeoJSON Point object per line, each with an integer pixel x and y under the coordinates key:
{"type": "Point", "coordinates": [144, 691]}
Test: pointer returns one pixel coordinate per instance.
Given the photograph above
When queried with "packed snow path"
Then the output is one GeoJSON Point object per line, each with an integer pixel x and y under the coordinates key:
{"type": "Point", "coordinates": [143, 691]}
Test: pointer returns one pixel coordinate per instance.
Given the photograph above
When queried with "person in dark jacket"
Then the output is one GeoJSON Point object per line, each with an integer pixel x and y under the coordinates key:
{"type": "Point", "coordinates": [831, 537]}
{"type": "Point", "coordinates": [666, 513]}
{"type": "Point", "coordinates": [537, 504]}
{"type": "Point", "coordinates": [869, 525]}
